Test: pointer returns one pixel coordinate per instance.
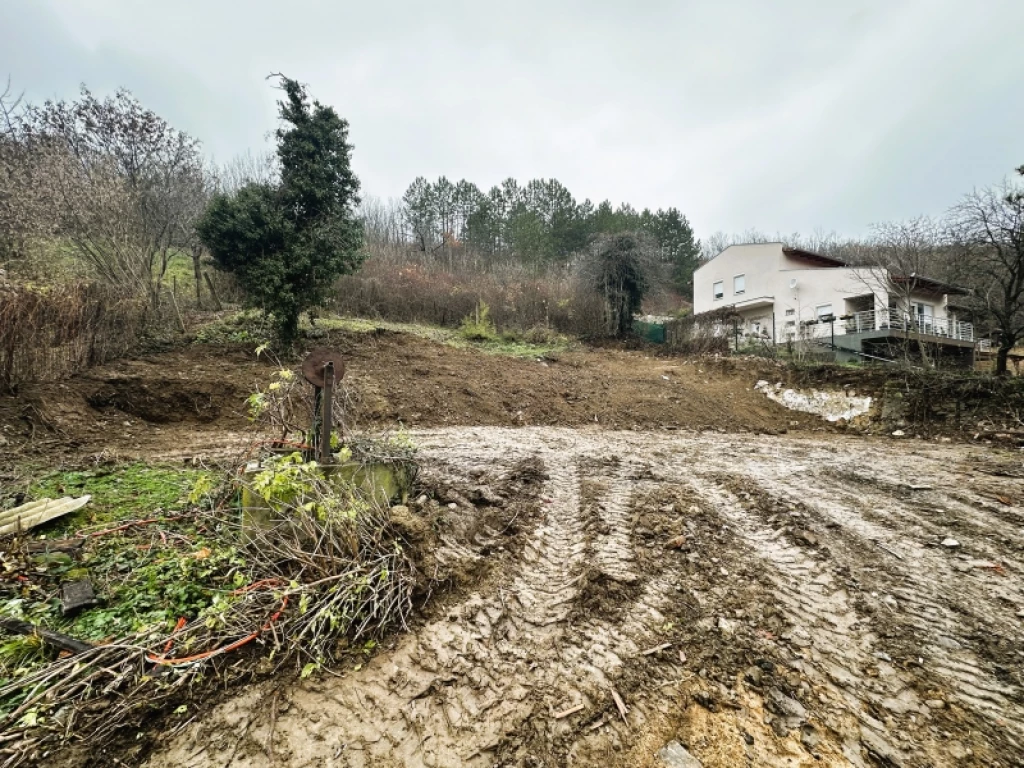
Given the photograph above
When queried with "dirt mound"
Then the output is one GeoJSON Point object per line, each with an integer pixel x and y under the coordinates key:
{"type": "Point", "coordinates": [164, 402]}
{"type": "Point", "coordinates": [191, 400]}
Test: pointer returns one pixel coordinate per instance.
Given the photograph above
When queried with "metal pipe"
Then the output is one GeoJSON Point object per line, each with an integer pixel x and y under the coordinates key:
{"type": "Point", "coordinates": [325, 425]}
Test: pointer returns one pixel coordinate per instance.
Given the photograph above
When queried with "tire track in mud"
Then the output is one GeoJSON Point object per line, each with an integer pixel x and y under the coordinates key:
{"type": "Point", "coordinates": [924, 606]}
{"type": "Point", "coordinates": [822, 618]}
{"type": "Point", "coordinates": [480, 684]}
{"type": "Point", "coordinates": [926, 599]}
{"type": "Point", "coordinates": [610, 535]}
{"type": "Point", "coordinates": [549, 582]}
{"type": "Point", "coordinates": [919, 599]}
{"type": "Point", "coordinates": [465, 685]}
{"type": "Point", "coordinates": [932, 599]}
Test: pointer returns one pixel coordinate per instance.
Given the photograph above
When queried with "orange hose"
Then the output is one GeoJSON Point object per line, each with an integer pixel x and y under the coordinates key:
{"type": "Point", "coordinates": [230, 646]}
{"type": "Point", "coordinates": [182, 621]}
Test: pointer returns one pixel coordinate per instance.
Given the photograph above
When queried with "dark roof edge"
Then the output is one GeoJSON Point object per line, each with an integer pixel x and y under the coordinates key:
{"type": "Point", "coordinates": [928, 284]}
{"type": "Point", "coordinates": [816, 258]}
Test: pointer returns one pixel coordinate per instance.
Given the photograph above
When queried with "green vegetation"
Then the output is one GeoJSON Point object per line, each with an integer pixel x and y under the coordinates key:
{"type": "Point", "coordinates": [538, 223]}
{"type": "Point", "coordinates": [251, 327]}
{"type": "Point", "coordinates": [148, 563]}
{"type": "Point", "coordinates": [287, 242]}
{"type": "Point", "coordinates": [537, 342]}
{"type": "Point", "coordinates": [245, 327]}
{"type": "Point", "coordinates": [123, 492]}
{"type": "Point", "coordinates": [479, 326]}
{"type": "Point", "coordinates": [621, 268]}
{"type": "Point", "coordinates": [194, 581]}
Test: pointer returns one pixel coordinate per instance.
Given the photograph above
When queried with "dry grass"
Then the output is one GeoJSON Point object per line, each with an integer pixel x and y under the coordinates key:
{"type": "Point", "coordinates": [52, 332]}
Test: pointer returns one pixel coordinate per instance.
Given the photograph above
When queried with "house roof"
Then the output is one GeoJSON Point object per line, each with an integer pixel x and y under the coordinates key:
{"type": "Point", "coordinates": [928, 284]}
{"type": "Point", "coordinates": [814, 258]}
{"type": "Point", "coordinates": [796, 253]}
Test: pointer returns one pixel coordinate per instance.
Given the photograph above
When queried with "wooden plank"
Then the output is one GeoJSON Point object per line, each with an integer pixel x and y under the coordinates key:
{"type": "Point", "coordinates": [53, 545]}
{"type": "Point", "coordinates": [28, 516]}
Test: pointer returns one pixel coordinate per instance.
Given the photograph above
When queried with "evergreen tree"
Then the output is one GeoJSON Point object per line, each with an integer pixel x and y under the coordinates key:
{"type": "Point", "coordinates": [674, 235]}
{"type": "Point", "coordinates": [287, 242]}
{"type": "Point", "coordinates": [621, 268]}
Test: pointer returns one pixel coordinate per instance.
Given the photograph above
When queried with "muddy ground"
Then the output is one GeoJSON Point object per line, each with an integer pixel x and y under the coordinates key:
{"type": "Point", "coordinates": [762, 599]}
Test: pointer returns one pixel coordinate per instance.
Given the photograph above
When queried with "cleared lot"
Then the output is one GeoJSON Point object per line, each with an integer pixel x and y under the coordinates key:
{"type": "Point", "coordinates": [762, 600]}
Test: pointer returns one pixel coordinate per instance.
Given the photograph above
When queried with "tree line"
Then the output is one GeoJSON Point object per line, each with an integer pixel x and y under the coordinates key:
{"type": "Point", "coordinates": [539, 223]}
{"type": "Point", "coordinates": [121, 189]}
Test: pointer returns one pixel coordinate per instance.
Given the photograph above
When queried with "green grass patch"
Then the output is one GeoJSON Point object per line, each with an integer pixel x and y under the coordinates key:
{"type": "Point", "coordinates": [244, 327]}
{"type": "Point", "coordinates": [533, 343]}
{"type": "Point", "coordinates": [251, 327]}
{"type": "Point", "coordinates": [145, 576]}
{"type": "Point", "coordinates": [119, 492]}
{"type": "Point", "coordinates": [179, 267]}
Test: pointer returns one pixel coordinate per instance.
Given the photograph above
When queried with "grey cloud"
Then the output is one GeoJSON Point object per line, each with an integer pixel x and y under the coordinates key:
{"type": "Point", "coordinates": [785, 116]}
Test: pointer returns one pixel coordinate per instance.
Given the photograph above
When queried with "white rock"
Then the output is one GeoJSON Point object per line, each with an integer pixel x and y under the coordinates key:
{"type": "Point", "coordinates": [898, 433]}
{"type": "Point", "coordinates": [950, 543]}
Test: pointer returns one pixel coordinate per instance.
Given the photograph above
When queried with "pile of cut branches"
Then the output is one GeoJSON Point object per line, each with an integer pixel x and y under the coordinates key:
{"type": "Point", "coordinates": [326, 573]}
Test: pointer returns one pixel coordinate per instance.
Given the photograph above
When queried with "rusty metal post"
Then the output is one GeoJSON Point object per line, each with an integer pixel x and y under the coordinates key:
{"type": "Point", "coordinates": [325, 421]}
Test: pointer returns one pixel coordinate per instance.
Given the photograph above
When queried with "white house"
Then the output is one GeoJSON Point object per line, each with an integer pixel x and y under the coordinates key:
{"type": "Point", "coordinates": [779, 293]}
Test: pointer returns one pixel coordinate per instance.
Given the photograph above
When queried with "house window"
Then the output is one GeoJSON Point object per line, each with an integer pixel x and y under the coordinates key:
{"type": "Point", "coordinates": [719, 289]}
{"type": "Point", "coordinates": [739, 284]}
{"type": "Point", "coordinates": [924, 311]}
{"type": "Point", "coordinates": [824, 310]}
{"type": "Point", "coordinates": [790, 312]}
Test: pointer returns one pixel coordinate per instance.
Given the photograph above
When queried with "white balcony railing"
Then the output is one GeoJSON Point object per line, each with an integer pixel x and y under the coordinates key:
{"type": "Point", "coordinates": [883, 319]}
{"type": "Point", "coordinates": [892, 319]}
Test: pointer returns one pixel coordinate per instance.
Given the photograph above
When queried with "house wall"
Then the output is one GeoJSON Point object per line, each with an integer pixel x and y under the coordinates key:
{"type": "Point", "coordinates": [768, 273]}
{"type": "Point", "coordinates": [758, 263]}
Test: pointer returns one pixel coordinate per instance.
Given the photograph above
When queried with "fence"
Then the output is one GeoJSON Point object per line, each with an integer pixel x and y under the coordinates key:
{"type": "Point", "coordinates": [52, 332]}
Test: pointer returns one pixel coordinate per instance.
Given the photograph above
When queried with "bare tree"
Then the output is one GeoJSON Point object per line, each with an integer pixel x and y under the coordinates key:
{"type": "Point", "coordinates": [123, 180]}
{"type": "Point", "coordinates": [383, 221]}
{"type": "Point", "coordinates": [896, 265]}
{"type": "Point", "coordinates": [25, 209]}
{"type": "Point", "coordinates": [988, 230]}
{"type": "Point", "coordinates": [246, 168]}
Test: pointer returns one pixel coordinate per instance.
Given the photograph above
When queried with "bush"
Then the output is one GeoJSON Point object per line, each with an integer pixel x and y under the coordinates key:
{"type": "Point", "coordinates": [408, 286]}
{"type": "Point", "coordinates": [54, 332]}
{"type": "Point", "coordinates": [479, 326]}
{"type": "Point", "coordinates": [708, 333]}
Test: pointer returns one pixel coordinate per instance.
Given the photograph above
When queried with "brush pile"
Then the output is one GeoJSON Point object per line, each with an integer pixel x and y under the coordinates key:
{"type": "Point", "coordinates": [326, 577]}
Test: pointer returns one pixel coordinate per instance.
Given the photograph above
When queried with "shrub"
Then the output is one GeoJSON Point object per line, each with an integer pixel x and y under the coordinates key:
{"type": "Point", "coordinates": [479, 326]}
{"type": "Point", "coordinates": [413, 287]}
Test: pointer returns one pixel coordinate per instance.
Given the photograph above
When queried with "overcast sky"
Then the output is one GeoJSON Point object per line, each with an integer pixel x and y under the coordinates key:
{"type": "Point", "coordinates": [784, 115]}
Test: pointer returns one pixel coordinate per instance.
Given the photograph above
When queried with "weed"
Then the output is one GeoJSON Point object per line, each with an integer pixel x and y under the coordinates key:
{"type": "Point", "coordinates": [245, 327]}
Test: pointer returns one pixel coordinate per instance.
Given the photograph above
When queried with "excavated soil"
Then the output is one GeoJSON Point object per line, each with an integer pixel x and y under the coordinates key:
{"type": "Point", "coordinates": [764, 601]}
{"type": "Point", "coordinates": [191, 401]}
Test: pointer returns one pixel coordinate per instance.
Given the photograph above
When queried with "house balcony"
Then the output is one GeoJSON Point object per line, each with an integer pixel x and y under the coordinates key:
{"type": "Point", "coordinates": [895, 320]}
{"type": "Point", "coordinates": [850, 331]}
